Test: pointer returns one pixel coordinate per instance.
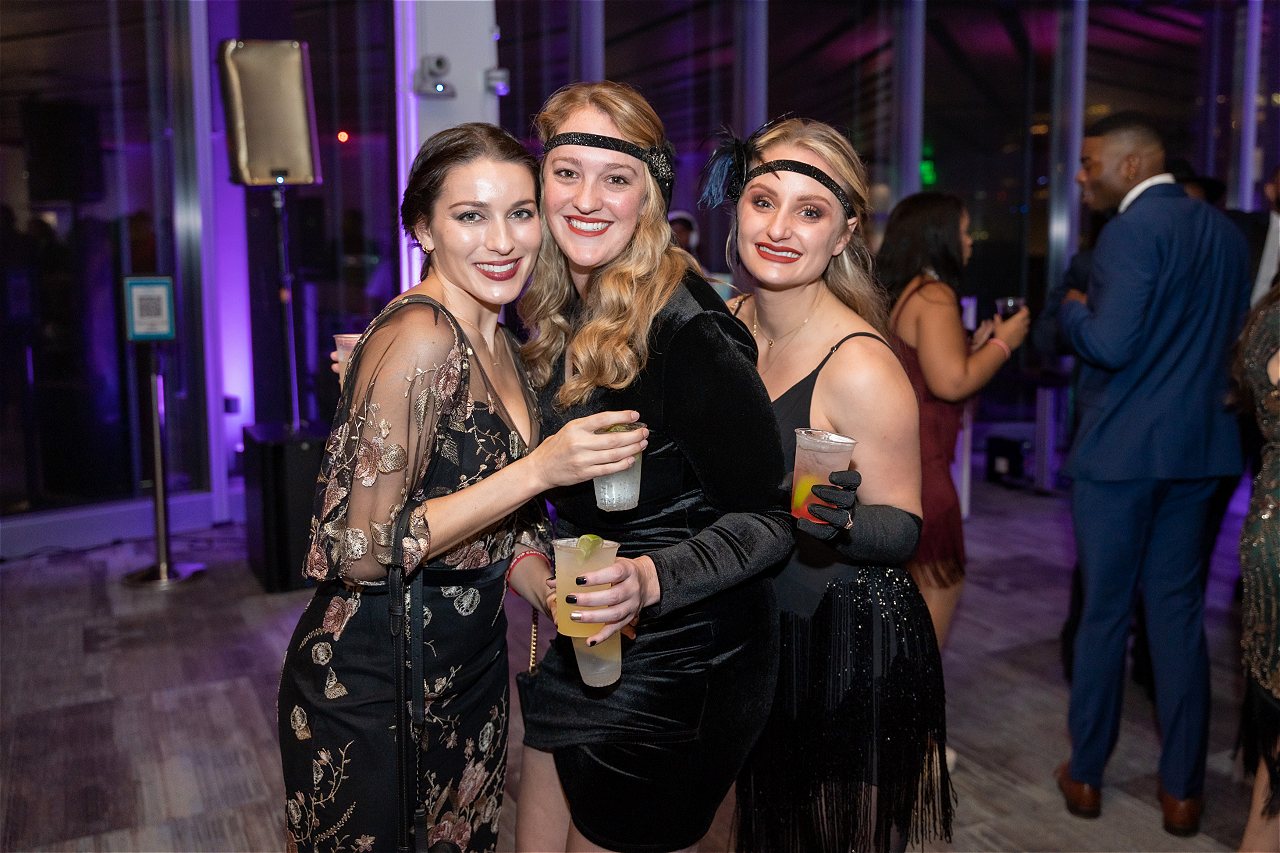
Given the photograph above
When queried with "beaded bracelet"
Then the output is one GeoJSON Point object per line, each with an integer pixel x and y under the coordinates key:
{"type": "Point", "coordinates": [516, 560]}
{"type": "Point", "coordinates": [1008, 353]}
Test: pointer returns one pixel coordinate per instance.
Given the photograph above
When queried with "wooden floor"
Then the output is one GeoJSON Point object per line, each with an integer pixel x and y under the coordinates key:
{"type": "Point", "coordinates": [141, 720]}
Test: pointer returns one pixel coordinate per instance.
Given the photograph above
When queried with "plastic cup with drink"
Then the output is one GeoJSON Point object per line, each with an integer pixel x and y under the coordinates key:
{"type": "Point", "coordinates": [1007, 306]}
{"type": "Point", "coordinates": [818, 453]}
{"type": "Point", "coordinates": [620, 490]}
{"type": "Point", "coordinates": [344, 344]}
{"type": "Point", "coordinates": [600, 665]}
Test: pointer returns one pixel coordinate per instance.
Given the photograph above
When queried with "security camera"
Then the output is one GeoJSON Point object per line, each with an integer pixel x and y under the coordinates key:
{"type": "Point", "coordinates": [435, 64]}
{"type": "Point", "coordinates": [428, 79]}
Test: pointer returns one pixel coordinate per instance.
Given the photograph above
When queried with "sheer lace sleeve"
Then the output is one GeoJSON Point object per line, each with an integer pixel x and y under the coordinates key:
{"type": "Point", "coordinates": [406, 378]}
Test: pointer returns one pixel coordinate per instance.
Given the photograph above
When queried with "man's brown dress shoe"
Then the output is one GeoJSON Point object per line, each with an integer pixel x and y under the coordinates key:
{"type": "Point", "coordinates": [1181, 817]}
{"type": "Point", "coordinates": [1083, 800]}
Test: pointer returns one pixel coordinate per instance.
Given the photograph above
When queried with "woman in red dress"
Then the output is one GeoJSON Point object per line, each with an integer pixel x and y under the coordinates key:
{"type": "Point", "coordinates": [925, 248]}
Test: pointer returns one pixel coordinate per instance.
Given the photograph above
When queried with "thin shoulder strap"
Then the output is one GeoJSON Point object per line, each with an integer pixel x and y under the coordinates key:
{"type": "Point", "coordinates": [903, 300]}
{"type": "Point", "coordinates": [840, 342]}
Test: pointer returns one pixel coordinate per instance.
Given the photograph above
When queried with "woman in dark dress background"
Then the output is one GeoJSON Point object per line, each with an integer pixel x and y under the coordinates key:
{"type": "Point", "coordinates": [851, 758]}
{"type": "Point", "coordinates": [432, 460]}
{"type": "Point", "coordinates": [619, 317]}
{"type": "Point", "coordinates": [925, 248]}
{"type": "Point", "coordinates": [1257, 375]}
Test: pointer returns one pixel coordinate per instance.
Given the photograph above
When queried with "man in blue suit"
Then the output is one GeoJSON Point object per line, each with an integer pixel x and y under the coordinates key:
{"type": "Point", "coordinates": [1168, 289]}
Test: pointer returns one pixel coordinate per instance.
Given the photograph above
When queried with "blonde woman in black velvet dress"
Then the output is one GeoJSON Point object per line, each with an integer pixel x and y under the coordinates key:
{"type": "Point", "coordinates": [619, 318]}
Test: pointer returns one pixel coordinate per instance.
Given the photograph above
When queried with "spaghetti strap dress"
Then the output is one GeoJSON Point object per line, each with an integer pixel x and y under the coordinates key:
{"type": "Point", "coordinates": [940, 557]}
{"type": "Point", "coordinates": [418, 419]}
{"type": "Point", "coordinates": [852, 755]}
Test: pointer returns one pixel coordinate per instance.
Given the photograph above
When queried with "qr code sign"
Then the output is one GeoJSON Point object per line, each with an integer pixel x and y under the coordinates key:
{"type": "Point", "coordinates": [150, 303]}
{"type": "Point", "coordinates": [150, 306]}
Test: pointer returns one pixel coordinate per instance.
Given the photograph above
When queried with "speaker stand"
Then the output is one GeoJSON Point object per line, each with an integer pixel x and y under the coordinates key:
{"type": "Point", "coordinates": [286, 299]}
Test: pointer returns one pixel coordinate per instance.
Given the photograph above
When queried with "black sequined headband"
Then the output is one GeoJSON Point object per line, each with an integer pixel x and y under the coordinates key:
{"type": "Point", "coordinates": [659, 159]}
{"type": "Point", "coordinates": [809, 172]}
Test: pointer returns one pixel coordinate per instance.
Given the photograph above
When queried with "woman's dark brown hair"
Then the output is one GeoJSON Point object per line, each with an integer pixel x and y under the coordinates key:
{"type": "Point", "coordinates": [443, 152]}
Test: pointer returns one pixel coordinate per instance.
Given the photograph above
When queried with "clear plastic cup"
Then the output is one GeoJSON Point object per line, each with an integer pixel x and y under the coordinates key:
{"type": "Point", "coordinates": [620, 490]}
{"type": "Point", "coordinates": [1007, 306]}
{"type": "Point", "coordinates": [344, 344]}
{"type": "Point", "coordinates": [600, 665]}
{"type": "Point", "coordinates": [818, 453]}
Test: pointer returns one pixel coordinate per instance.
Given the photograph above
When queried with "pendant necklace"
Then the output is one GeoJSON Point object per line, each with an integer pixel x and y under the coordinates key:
{"type": "Point", "coordinates": [493, 354]}
{"type": "Point", "coordinates": [784, 339]}
{"type": "Point", "coordinates": [755, 330]}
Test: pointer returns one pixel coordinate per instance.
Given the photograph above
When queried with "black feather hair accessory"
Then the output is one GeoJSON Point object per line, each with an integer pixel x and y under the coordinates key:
{"type": "Point", "coordinates": [725, 175]}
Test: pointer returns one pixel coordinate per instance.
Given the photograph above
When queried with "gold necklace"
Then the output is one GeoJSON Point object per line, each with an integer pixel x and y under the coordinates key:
{"type": "Point", "coordinates": [755, 322]}
{"type": "Point", "coordinates": [495, 359]}
{"type": "Point", "coordinates": [755, 330]}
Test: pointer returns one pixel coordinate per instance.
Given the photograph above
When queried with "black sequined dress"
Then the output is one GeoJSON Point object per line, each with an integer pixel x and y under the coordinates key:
{"type": "Point", "coordinates": [1260, 566]}
{"type": "Point", "coordinates": [852, 755]}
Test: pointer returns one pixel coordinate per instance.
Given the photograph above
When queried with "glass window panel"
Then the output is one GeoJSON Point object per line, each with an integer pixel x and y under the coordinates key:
{"type": "Point", "coordinates": [987, 102]}
{"type": "Point", "coordinates": [87, 199]}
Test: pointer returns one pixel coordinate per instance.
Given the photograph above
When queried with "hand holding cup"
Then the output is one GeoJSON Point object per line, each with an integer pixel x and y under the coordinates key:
{"type": "Point", "coordinates": [584, 449]}
{"type": "Point", "coordinates": [1014, 329]}
{"type": "Point", "coordinates": [836, 513]}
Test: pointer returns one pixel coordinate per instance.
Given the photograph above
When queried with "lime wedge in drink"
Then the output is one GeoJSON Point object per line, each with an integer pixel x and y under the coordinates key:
{"type": "Point", "coordinates": [619, 428]}
{"type": "Point", "coordinates": [588, 544]}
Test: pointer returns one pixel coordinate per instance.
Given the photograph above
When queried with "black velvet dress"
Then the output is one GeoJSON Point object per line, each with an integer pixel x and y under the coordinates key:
{"type": "Point", "coordinates": [852, 756]}
{"type": "Point", "coordinates": [645, 763]}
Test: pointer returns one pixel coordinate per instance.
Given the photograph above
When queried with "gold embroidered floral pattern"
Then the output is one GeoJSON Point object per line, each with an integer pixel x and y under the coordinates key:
{"type": "Point", "coordinates": [338, 613]}
{"type": "Point", "coordinates": [307, 813]}
{"type": "Point", "coordinates": [412, 432]}
{"type": "Point", "coordinates": [298, 721]}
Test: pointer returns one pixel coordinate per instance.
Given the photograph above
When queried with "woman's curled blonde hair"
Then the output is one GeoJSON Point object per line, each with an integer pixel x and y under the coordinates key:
{"type": "Point", "coordinates": [608, 344]}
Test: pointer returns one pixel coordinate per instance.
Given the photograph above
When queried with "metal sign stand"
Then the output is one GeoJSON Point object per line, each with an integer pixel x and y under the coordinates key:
{"type": "Point", "coordinates": [149, 311]}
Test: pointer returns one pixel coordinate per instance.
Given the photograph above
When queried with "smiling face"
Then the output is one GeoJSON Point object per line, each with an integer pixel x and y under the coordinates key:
{"type": "Point", "coordinates": [484, 233]}
{"type": "Point", "coordinates": [789, 225]}
{"type": "Point", "coordinates": [591, 197]}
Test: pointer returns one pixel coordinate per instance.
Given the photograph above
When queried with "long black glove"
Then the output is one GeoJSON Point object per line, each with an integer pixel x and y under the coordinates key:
{"type": "Point", "coordinates": [878, 534]}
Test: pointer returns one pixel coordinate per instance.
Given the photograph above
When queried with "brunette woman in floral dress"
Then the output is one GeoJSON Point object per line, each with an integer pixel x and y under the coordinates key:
{"type": "Point", "coordinates": [431, 465]}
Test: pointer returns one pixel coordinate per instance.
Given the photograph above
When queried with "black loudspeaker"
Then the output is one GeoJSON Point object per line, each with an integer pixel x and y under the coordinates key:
{"type": "Point", "coordinates": [64, 154]}
{"type": "Point", "coordinates": [280, 469]}
{"type": "Point", "coordinates": [271, 117]}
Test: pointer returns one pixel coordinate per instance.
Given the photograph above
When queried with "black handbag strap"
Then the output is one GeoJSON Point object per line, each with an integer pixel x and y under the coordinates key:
{"type": "Point", "coordinates": [406, 752]}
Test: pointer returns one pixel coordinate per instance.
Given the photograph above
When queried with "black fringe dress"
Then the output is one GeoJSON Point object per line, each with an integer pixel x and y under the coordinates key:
{"type": "Point", "coordinates": [852, 755]}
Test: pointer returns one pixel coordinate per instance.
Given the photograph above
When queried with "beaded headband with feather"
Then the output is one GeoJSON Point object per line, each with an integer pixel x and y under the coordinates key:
{"type": "Point", "coordinates": [726, 173]}
{"type": "Point", "coordinates": [659, 159]}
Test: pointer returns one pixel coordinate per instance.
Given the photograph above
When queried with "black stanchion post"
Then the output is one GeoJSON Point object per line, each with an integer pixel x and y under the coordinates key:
{"type": "Point", "coordinates": [165, 573]}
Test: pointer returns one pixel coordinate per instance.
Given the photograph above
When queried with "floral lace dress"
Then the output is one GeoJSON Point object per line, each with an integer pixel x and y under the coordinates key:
{"type": "Point", "coordinates": [418, 419]}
